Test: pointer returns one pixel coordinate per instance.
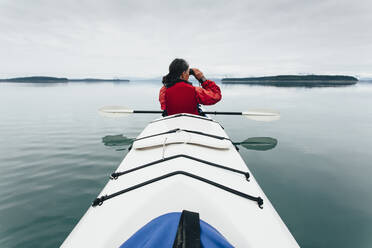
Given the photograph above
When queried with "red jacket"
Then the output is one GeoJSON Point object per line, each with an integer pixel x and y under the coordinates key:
{"type": "Point", "coordinates": [184, 98]}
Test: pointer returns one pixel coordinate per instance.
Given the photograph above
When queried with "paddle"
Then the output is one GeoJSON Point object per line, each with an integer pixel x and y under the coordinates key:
{"type": "Point", "coordinates": [258, 143]}
{"type": "Point", "coordinates": [117, 140]}
{"type": "Point", "coordinates": [257, 115]}
{"type": "Point", "coordinates": [253, 143]}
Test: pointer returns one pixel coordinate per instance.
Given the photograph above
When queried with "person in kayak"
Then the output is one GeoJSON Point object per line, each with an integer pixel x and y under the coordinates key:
{"type": "Point", "coordinates": [178, 95]}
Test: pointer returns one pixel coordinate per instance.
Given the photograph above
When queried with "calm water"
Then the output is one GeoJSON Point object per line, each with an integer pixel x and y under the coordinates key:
{"type": "Point", "coordinates": [53, 161]}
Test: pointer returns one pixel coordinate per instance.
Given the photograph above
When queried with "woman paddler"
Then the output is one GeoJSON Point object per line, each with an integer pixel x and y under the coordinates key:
{"type": "Point", "coordinates": [179, 95]}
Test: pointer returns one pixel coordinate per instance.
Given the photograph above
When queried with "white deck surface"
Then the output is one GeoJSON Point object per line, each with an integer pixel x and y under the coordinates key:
{"type": "Point", "coordinates": [239, 220]}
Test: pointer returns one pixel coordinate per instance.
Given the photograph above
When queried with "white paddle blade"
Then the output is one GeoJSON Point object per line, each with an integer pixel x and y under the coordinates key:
{"type": "Point", "coordinates": [115, 111]}
{"type": "Point", "coordinates": [262, 115]}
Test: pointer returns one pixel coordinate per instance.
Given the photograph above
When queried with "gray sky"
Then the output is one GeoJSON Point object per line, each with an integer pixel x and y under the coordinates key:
{"type": "Point", "coordinates": [112, 38]}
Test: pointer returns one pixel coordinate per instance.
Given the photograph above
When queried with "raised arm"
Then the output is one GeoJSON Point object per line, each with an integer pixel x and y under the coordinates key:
{"type": "Point", "coordinates": [209, 93]}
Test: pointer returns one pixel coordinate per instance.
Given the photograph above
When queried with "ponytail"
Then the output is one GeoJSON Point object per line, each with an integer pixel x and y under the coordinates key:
{"type": "Point", "coordinates": [176, 68]}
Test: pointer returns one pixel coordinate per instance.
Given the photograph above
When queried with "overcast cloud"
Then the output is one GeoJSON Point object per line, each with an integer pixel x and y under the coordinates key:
{"type": "Point", "coordinates": [97, 38]}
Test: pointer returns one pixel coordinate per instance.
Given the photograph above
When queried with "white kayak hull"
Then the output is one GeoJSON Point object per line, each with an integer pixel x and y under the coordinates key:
{"type": "Point", "coordinates": [241, 221]}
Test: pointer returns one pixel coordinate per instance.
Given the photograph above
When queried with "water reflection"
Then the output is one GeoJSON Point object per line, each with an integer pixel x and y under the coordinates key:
{"type": "Point", "coordinates": [259, 143]}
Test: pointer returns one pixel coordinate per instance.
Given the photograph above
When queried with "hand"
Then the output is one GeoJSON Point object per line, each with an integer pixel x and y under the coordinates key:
{"type": "Point", "coordinates": [198, 74]}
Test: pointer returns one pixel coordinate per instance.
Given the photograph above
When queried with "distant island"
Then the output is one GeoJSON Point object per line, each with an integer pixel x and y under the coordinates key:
{"type": "Point", "coordinates": [38, 79]}
{"type": "Point", "coordinates": [295, 80]}
{"type": "Point", "coordinates": [43, 79]}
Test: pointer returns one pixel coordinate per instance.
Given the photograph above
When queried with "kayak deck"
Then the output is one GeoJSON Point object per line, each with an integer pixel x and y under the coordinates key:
{"type": "Point", "coordinates": [187, 179]}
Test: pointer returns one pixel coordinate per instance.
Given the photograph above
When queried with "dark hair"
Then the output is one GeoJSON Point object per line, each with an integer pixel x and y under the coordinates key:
{"type": "Point", "coordinates": [176, 68]}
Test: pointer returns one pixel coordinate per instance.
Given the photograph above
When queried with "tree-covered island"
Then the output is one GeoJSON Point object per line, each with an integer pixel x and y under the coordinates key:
{"type": "Point", "coordinates": [295, 80]}
{"type": "Point", "coordinates": [43, 79]}
{"type": "Point", "coordinates": [36, 79]}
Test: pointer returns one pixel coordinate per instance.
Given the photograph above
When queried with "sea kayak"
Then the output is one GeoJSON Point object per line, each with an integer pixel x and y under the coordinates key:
{"type": "Point", "coordinates": [181, 169]}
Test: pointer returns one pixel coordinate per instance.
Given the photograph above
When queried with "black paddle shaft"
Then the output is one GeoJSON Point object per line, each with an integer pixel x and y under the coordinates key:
{"type": "Point", "coordinates": [147, 111]}
{"type": "Point", "coordinates": [222, 113]}
{"type": "Point", "coordinates": [205, 112]}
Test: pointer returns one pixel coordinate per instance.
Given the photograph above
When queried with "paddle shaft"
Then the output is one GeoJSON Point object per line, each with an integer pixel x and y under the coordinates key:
{"type": "Point", "coordinates": [205, 112]}
{"type": "Point", "coordinates": [257, 115]}
{"type": "Point", "coordinates": [147, 111]}
{"type": "Point", "coordinates": [222, 113]}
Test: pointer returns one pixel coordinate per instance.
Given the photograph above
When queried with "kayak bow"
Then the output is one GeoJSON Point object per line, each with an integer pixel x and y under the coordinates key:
{"type": "Point", "coordinates": [195, 168]}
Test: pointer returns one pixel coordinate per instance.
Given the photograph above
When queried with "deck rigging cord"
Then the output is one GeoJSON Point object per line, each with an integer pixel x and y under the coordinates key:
{"type": "Point", "coordinates": [99, 201]}
{"type": "Point", "coordinates": [116, 175]}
